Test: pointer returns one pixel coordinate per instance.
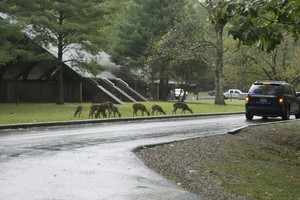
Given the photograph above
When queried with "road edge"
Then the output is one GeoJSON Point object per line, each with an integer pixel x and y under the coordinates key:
{"type": "Point", "coordinates": [107, 120]}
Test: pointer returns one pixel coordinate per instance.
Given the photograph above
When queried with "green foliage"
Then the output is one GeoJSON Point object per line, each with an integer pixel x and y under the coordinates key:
{"type": "Point", "coordinates": [106, 33]}
{"type": "Point", "coordinates": [11, 39]}
{"type": "Point", "coordinates": [64, 25]}
{"type": "Point", "coordinates": [59, 23]}
{"type": "Point", "coordinates": [266, 22]}
{"type": "Point", "coordinates": [142, 20]}
{"type": "Point", "coordinates": [184, 48]}
{"type": "Point", "coordinates": [220, 13]}
{"type": "Point", "coordinates": [163, 40]}
{"type": "Point", "coordinates": [251, 63]}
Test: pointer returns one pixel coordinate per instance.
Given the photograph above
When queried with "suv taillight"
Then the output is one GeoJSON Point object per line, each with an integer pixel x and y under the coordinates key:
{"type": "Point", "coordinates": [281, 100]}
{"type": "Point", "coordinates": [247, 99]}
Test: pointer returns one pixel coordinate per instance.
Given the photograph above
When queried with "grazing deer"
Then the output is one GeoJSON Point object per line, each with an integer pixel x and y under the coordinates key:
{"type": "Point", "coordinates": [102, 110]}
{"type": "Point", "coordinates": [78, 110]}
{"type": "Point", "coordinates": [181, 105]}
{"type": "Point", "coordinates": [115, 110]}
{"type": "Point", "coordinates": [112, 109]}
{"type": "Point", "coordinates": [141, 107]}
{"type": "Point", "coordinates": [93, 109]}
{"type": "Point", "coordinates": [158, 109]}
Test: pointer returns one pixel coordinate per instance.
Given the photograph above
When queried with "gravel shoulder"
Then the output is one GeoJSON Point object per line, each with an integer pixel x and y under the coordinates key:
{"type": "Point", "coordinates": [187, 163]}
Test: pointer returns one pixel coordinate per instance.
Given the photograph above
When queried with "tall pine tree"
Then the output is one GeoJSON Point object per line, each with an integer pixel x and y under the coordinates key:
{"type": "Point", "coordinates": [58, 23]}
{"type": "Point", "coordinates": [143, 21]}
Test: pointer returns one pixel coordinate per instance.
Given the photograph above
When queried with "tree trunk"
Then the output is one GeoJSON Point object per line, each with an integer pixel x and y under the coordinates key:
{"type": "Point", "coordinates": [163, 89]}
{"type": "Point", "coordinates": [163, 82]}
{"type": "Point", "coordinates": [184, 88]}
{"type": "Point", "coordinates": [219, 98]}
{"type": "Point", "coordinates": [60, 98]}
{"type": "Point", "coordinates": [60, 82]}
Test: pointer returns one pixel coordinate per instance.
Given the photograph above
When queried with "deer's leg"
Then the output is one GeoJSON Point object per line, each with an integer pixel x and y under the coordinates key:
{"type": "Point", "coordinates": [104, 114]}
{"type": "Point", "coordinates": [174, 111]}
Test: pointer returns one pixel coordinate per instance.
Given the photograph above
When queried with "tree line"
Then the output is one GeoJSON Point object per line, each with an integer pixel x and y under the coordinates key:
{"type": "Point", "coordinates": [190, 42]}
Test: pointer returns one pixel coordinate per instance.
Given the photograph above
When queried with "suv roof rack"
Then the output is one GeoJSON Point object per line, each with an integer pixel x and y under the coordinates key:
{"type": "Point", "coordinates": [269, 82]}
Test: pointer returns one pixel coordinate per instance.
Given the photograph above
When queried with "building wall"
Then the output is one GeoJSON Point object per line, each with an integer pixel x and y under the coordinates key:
{"type": "Point", "coordinates": [38, 91]}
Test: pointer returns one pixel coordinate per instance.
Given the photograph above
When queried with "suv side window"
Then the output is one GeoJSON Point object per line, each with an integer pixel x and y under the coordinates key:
{"type": "Point", "coordinates": [293, 92]}
{"type": "Point", "coordinates": [287, 90]}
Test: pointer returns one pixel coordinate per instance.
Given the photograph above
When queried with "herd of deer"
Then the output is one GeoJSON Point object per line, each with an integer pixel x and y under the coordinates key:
{"type": "Point", "coordinates": [100, 109]}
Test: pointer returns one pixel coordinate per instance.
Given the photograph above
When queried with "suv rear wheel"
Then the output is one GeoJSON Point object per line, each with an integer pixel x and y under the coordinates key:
{"type": "Point", "coordinates": [249, 116]}
{"type": "Point", "coordinates": [286, 115]}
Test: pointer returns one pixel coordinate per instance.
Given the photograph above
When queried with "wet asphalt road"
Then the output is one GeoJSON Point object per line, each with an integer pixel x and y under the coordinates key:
{"type": "Point", "coordinates": [96, 161]}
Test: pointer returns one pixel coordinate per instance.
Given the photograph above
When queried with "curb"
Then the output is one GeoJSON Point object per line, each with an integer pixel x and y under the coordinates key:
{"type": "Point", "coordinates": [235, 131]}
{"type": "Point", "coordinates": [107, 120]}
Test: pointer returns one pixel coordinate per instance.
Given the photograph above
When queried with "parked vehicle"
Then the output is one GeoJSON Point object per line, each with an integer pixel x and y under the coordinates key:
{"type": "Point", "coordinates": [179, 93]}
{"type": "Point", "coordinates": [232, 94]}
{"type": "Point", "coordinates": [212, 93]}
{"type": "Point", "coordinates": [272, 99]}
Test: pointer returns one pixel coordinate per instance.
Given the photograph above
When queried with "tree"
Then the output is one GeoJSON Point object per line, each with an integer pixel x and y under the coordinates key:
{"type": "Point", "coordinates": [113, 14]}
{"type": "Point", "coordinates": [265, 22]}
{"type": "Point", "coordinates": [183, 52]}
{"type": "Point", "coordinates": [144, 22]}
{"type": "Point", "coordinates": [220, 13]}
{"type": "Point", "coordinates": [58, 23]}
{"type": "Point", "coordinates": [9, 34]}
{"type": "Point", "coordinates": [282, 63]}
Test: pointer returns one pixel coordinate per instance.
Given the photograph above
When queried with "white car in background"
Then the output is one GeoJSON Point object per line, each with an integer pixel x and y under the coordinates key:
{"type": "Point", "coordinates": [232, 94]}
{"type": "Point", "coordinates": [179, 93]}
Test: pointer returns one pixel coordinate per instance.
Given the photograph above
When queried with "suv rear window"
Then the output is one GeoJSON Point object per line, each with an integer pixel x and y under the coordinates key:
{"type": "Point", "coordinates": [265, 89]}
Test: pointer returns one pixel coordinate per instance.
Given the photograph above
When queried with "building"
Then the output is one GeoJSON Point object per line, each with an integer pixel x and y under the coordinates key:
{"type": "Point", "coordinates": [36, 81]}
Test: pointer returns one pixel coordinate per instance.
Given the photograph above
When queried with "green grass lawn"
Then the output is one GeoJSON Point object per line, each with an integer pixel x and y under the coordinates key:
{"type": "Point", "coordinates": [48, 112]}
{"type": "Point", "coordinates": [260, 162]}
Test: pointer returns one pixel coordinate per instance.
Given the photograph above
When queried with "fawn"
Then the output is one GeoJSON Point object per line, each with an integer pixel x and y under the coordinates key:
{"type": "Point", "coordinates": [141, 107]}
{"type": "Point", "coordinates": [181, 105]}
{"type": "Point", "coordinates": [158, 109]}
{"type": "Point", "coordinates": [78, 110]}
{"type": "Point", "coordinates": [93, 109]}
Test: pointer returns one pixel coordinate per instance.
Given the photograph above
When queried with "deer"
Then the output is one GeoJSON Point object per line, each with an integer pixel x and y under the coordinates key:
{"type": "Point", "coordinates": [102, 110]}
{"type": "Point", "coordinates": [78, 110]}
{"type": "Point", "coordinates": [181, 105]}
{"type": "Point", "coordinates": [138, 106]}
{"type": "Point", "coordinates": [114, 110]}
{"type": "Point", "coordinates": [93, 109]}
{"type": "Point", "coordinates": [158, 109]}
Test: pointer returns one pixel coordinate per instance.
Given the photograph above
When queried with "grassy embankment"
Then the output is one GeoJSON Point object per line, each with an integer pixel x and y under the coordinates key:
{"type": "Point", "coordinates": [260, 162]}
{"type": "Point", "coordinates": [48, 112]}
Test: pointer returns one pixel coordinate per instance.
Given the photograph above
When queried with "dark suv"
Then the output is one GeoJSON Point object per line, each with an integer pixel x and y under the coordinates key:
{"type": "Point", "coordinates": [272, 99]}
